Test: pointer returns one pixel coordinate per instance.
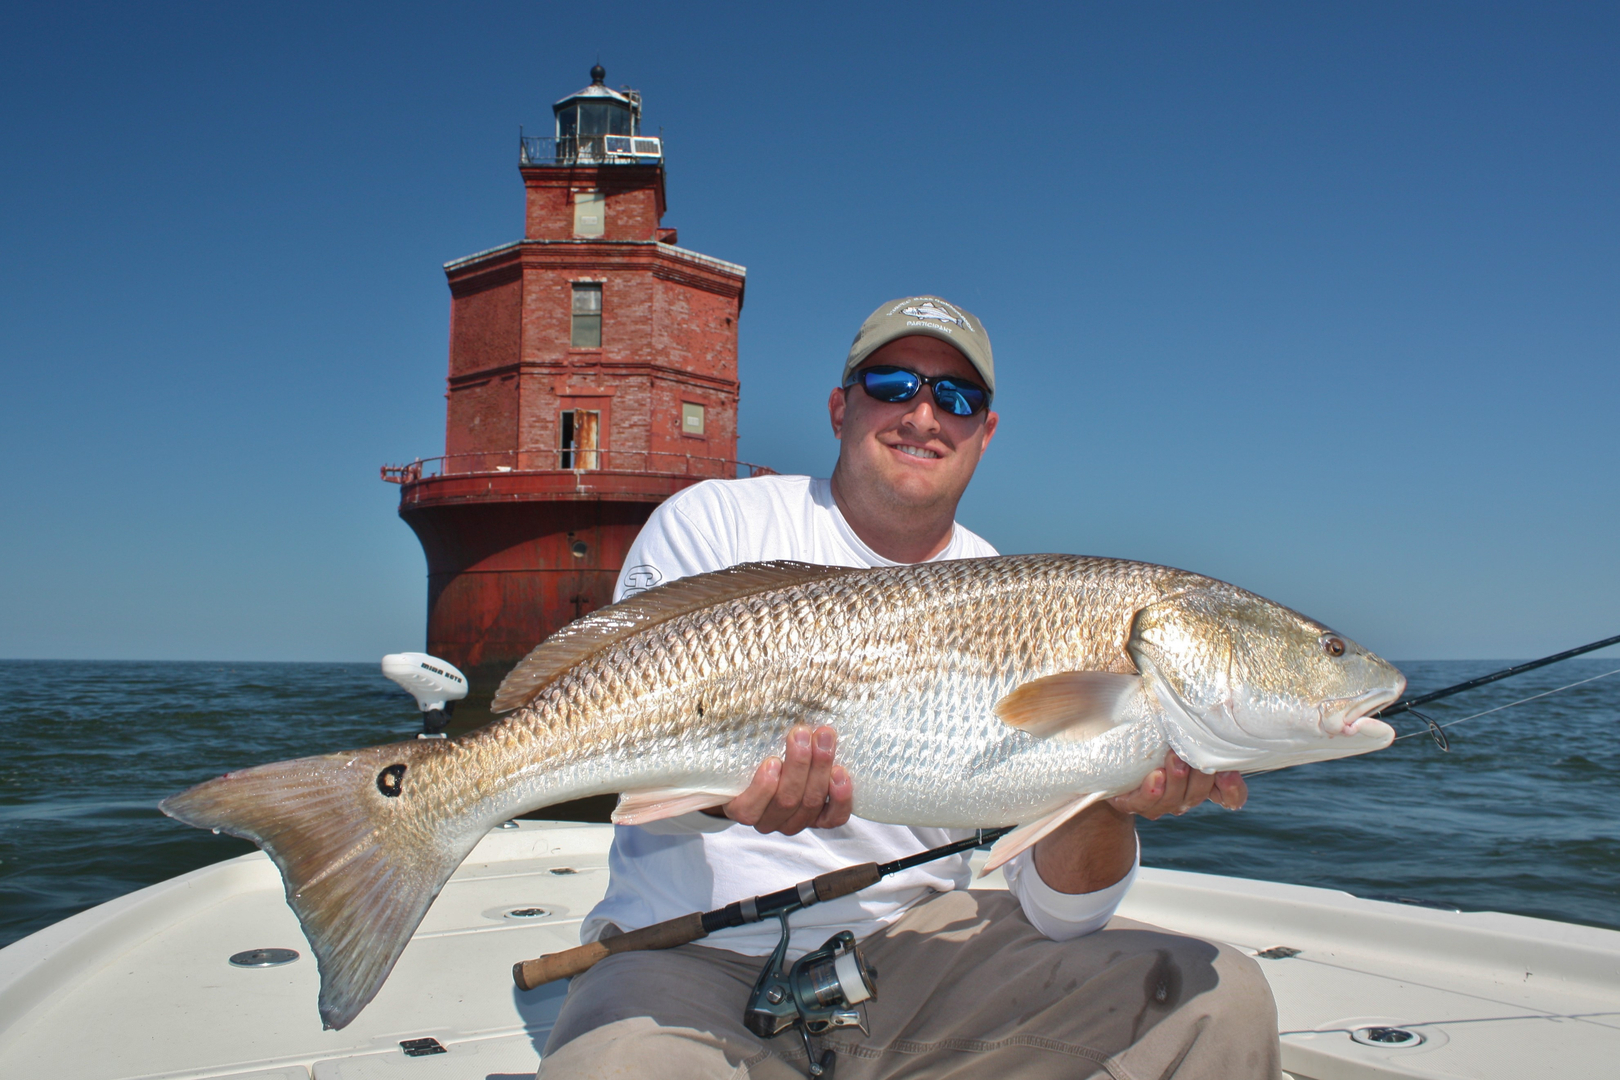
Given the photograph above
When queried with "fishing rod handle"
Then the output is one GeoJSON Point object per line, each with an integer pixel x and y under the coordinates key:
{"type": "Point", "coordinates": [836, 883]}
{"type": "Point", "coordinates": [529, 974]}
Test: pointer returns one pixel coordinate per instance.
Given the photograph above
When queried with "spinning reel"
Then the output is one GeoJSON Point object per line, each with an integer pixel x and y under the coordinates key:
{"type": "Point", "coordinates": [821, 991]}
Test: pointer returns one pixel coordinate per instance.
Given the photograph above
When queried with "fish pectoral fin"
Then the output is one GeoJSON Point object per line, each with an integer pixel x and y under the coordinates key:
{"type": "Point", "coordinates": [656, 804]}
{"type": "Point", "coordinates": [1027, 835]}
{"type": "Point", "coordinates": [1075, 705]}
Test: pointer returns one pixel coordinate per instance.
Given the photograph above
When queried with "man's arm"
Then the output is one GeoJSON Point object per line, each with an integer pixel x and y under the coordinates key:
{"type": "Point", "coordinates": [1097, 847]}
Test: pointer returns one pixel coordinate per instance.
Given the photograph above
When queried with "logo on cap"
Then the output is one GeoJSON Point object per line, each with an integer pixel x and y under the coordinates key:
{"type": "Point", "coordinates": [937, 310]}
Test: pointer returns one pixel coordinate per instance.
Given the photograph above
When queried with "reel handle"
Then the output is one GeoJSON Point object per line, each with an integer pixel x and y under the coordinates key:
{"type": "Point", "coordinates": [529, 974]}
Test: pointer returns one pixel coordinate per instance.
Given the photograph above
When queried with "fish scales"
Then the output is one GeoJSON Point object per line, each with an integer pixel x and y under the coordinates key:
{"type": "Point", "coordinates": [969, 693]}
{"type": "Point", "coordinates": [836, 646]}
{"type": "Point", "coordinates": [975, 643]}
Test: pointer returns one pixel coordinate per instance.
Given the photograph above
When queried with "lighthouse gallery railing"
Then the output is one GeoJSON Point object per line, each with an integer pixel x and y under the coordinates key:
{"type": "Point", "coordinates": [590, 150]}
{"type": "Point", "coordinates": [659, 462]}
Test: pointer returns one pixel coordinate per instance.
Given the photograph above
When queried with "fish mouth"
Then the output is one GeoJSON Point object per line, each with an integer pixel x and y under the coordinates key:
{"type": "Point", "coordinates": [1353, 717]}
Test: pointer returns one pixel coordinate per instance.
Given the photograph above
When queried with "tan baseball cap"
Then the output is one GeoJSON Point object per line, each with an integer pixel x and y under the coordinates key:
{"type": "Point", "coordinates": [925, 315]}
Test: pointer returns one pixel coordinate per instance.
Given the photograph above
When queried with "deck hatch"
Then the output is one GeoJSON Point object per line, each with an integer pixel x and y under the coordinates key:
{"type": "Point", "coordinates": [421, 1047]}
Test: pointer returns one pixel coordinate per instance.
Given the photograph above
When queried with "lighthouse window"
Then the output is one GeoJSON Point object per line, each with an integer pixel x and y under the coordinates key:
{"type": "Point", "coordinates": [603, 118]}
{"type": "Point", "coordinates": [691, 419]}
{"type": "Point", "coordinates": [594, 118]}
{"type": "Point", "coordinates": [587, 316]}
{"type": "Point", "coordinates": [590, 213]}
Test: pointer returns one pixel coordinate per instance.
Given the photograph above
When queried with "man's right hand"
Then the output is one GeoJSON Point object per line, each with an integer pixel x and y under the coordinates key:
{"type": "Point", "coordinates": [800, 790]}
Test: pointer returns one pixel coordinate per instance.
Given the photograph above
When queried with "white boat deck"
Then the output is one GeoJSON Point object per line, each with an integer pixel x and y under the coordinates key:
{"type": "Point", "coordinates": [142, 987]}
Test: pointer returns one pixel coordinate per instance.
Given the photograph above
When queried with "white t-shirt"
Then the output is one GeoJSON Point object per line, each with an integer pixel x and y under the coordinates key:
{"type": "Point", "coordinates": [696, 862]}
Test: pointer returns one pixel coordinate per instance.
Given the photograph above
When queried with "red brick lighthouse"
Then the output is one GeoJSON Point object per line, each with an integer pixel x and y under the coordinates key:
{"type": "Point", "coordinates": [593, 373]}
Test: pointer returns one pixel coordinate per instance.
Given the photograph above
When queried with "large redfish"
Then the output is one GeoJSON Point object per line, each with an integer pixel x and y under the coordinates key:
{"type": "Point", "coordinates": [979, 692]}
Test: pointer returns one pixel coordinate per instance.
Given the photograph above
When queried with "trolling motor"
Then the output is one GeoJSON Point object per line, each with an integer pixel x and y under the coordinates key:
{"type": "Point", "coordinates": [821, 991]}
{"type": "Point", "coordinates": [435, 684]}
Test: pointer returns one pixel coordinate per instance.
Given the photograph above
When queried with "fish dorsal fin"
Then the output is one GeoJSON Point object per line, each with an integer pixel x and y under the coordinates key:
{"type": "Point", "coordinates": [601, 628]}
{"type": "Point", "coordinates": [1075, 705]}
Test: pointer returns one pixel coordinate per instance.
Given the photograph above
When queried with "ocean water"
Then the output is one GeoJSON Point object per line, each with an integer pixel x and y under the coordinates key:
{"type": "Point", "coordinates": [1519, 816]}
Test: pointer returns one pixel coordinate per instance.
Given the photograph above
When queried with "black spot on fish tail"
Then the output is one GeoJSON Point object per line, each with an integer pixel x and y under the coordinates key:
{"type": "Point", "coordinates": [391, 781]}
{"type": "Point", "coordinates": [357, 871]}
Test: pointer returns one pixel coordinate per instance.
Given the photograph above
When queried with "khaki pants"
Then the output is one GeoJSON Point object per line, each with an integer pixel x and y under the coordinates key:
{"type": "Point", "coordinates": [967, 989]}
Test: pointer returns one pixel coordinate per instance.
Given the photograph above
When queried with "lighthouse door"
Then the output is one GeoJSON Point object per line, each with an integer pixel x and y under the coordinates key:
{"type": "Point", "coordinates": [580, 438]}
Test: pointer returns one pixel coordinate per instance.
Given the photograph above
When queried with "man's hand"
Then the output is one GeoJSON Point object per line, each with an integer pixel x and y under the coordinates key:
{"type": "Point", "coordinates": [1178, 787]}
{"type": "Point", "coordinates": [1095, 848]}
{"type": "Point", "coordinates": [801, 790]}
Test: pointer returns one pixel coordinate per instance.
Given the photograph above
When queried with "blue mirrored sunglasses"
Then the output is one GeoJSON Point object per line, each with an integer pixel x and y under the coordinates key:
{"type": "Point", "coordinates": [956, 395]}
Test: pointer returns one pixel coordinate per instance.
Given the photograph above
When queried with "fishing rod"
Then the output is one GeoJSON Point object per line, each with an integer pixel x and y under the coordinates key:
{"type": "Point", "coordinates": [685, 929]}
{"type": "Point", "coordinates": [813, 995]}
{"type": "Point", "coordinates": [1440, 740]}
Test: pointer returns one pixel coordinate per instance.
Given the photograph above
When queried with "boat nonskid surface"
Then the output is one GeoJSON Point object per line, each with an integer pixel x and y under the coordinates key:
{"type": "Point", "coordinates": [143, 986]}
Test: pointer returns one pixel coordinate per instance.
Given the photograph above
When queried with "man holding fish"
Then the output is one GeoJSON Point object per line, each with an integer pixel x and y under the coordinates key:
{"type": "Point", "coordinates": [1041, 693]}
{"type": "Point", "coordinates": [1027, 981]}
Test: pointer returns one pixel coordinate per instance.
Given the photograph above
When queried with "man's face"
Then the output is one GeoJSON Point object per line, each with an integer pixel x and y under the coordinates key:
{"type": "Point", "coordinates": [910, 453]}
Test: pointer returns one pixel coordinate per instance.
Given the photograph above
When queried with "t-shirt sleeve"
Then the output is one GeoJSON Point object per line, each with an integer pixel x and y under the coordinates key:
{"type": "Point", "coordinates": [1059, 915]}
{"type": "Point", "coordinates": [676, 543]}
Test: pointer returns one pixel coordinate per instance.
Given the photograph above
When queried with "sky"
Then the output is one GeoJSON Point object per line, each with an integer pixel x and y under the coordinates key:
{"type": "Point", "coordinates": [1322, 299]}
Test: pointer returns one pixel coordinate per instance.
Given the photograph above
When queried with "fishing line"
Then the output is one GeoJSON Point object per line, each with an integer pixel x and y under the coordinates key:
{"type": "Point", "coordinates": [1499, 708]}
{"type": "Point", "coordinates": [1436, 730]}
{"type": "Point", "coordinates": [1405, 705]}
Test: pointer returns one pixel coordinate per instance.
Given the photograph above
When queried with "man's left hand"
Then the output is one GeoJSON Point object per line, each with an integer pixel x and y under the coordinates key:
{"type": "Point", "coordinates": [802, 789]}
{"type": "Point", "coordinates": [1178, 787]}
{"type": "Point", "coordinates": [1095, 848]}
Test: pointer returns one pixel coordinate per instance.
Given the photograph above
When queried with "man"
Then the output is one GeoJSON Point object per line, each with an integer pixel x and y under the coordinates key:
{"type": "Point", "coordinates": [983, 983]}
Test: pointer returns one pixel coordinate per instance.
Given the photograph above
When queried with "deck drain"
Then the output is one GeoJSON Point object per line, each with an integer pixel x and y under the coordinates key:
{"type": "Point", "coordinates": [259, 958]}
{"type": "Point", "coordinates": [528, 913]}
{"type": "Point", "coordinates": [1387, 1036]}
{"type": "Point", "coordinates": [1277, 952]}
{"type": "Point", "coordinates": [561, 870]}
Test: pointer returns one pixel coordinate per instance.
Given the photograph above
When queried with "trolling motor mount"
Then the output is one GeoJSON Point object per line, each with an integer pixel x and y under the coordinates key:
{"type": "Point", "coordinates": [820, 991]}
{"type": "Point", "coordinates": [435, 684]}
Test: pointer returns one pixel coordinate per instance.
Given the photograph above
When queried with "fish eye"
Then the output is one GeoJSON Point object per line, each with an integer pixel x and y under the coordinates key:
{"type": "Point", "coordinates": [1333, 646]}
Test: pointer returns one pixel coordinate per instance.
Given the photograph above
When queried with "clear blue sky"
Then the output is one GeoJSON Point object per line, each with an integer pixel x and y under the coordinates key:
{"type": "Point", "coordinates": [1320, 299]}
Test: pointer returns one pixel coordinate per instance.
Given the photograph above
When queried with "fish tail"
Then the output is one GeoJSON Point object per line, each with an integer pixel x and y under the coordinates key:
{"type": "Point", "coordinates": [364, 844]}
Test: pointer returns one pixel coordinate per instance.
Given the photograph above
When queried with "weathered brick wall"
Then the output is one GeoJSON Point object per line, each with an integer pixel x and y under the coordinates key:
{"type": "Point", "coordinates": [485, 323]}
{"type": "Point", "coordinates": [481, 418]}
{"type": "Point", "coordinates": [669, 331]}
{"type": "Point", "coordinates": [635, 200]}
